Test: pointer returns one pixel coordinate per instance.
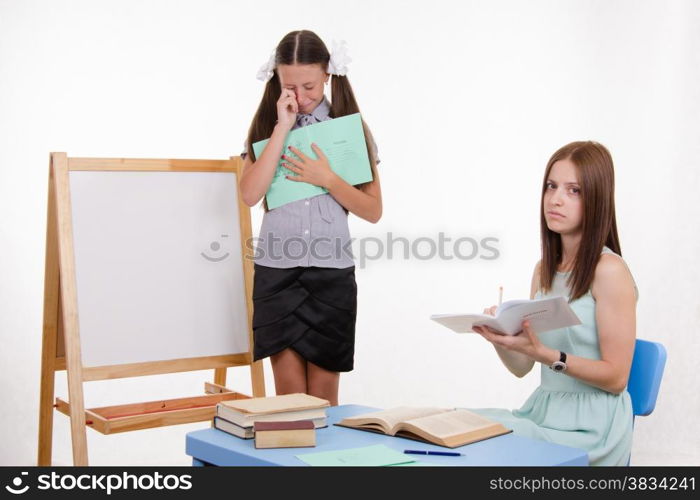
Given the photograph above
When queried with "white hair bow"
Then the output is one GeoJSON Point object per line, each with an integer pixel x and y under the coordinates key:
{"type": "Point", "coordinates": [338, 65]}
{"type": "Point", "coordinates": [268, 69]}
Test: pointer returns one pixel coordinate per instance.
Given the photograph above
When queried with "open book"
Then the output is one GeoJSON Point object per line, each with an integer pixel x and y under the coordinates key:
{"type": "Point", "coordinates": [450, 428]}
{"type": "Point", "coordinates": [543, 315]}
{"type": "Point", "coordinates": [341, 139]}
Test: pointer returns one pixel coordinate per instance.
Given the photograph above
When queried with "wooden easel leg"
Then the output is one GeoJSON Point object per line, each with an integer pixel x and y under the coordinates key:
{"type": "Point", "coordinates": [220, 376]}
{"type": "Point", "coordinates": [257, 378]}
{"type": "Point", "coordinates": [77, 416]}
{"type": "Point", "coordinates": [46, 414]}
{"type": "Point", "coordinates": [69, 303]}
{"type": "Point", "coordinates": [50, 327]}
{"type": "Point", "coordinates": [48, 358]}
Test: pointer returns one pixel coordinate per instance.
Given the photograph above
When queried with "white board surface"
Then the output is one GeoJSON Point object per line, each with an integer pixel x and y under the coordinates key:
{"type": "Point", "coordinates": [158, 262]}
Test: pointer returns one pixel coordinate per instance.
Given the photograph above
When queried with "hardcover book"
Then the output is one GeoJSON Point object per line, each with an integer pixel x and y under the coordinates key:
{"type": "Point", "coordinates": [288, 407]}
{"type": "Point", "coordinates": [300, 433]}
{"type": "Point", "coordinates": [444, 427]}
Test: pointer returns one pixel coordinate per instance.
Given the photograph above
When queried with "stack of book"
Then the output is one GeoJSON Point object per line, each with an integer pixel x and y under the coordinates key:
{"type": "Point", "coordinates": [238, 417]}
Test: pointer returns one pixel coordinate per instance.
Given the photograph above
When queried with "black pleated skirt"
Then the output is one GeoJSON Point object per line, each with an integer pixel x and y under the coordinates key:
{"type": "Point", "coordinates": [310, 309]}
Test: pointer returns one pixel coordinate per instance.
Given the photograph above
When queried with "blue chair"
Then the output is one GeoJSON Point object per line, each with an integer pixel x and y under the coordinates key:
{"type": "Point", "coordinates": [645, 376]}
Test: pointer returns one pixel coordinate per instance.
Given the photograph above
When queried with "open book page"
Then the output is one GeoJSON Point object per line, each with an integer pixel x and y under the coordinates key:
{"type": "Point", "coordinates": [509, 304]}
{"type": "Point", "coordinates": [388, 420]}
{"type": "Point", "coordinates": [460, 323]}
{"type": "Point", "coordinates": [544, 315]}
{"type": "Point", "coordinates": [447, 424]}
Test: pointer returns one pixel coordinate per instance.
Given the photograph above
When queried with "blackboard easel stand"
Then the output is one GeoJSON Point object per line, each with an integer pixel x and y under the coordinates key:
{"type": "Point", "coordinates": [61, 336]}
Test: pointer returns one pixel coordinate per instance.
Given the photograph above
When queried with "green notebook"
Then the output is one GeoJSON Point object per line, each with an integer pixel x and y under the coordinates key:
{"type": "Point", "coordinates": [342, 140]}
{"type": "Point", "coordinates": [366, 456]}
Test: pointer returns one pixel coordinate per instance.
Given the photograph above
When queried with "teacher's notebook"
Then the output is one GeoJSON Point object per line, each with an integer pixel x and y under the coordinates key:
{"type": "Point", "coordinates": [543, 314]}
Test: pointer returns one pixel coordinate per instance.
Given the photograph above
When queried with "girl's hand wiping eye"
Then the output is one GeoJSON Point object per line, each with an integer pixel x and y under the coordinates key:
{"type": "Point", "coordinates": [287, 109]}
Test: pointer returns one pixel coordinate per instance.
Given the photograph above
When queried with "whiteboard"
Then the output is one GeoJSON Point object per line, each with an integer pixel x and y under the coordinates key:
{"type": "Point", "coordinates": [159, 270]}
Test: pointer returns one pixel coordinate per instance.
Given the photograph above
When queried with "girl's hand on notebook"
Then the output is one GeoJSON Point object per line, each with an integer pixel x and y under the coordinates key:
{"type": "Point", "coordinates": [314, 171]}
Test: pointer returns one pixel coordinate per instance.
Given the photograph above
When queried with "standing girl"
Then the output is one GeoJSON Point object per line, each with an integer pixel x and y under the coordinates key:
{"type": "Point", "coordinates": [304, 290]}
{"type": "Point", "coordinates": [582, 399]}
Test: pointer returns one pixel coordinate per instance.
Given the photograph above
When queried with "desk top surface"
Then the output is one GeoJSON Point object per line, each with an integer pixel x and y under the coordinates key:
{"type": "Point", "coordinates": [219, 448]}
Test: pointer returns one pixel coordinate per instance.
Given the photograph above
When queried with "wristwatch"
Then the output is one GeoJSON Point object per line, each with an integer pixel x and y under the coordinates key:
{"type": "Point", "coordinates": [559, 366]}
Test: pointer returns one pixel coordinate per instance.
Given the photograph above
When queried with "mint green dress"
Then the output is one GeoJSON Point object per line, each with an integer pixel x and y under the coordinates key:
{"type": "Point", "coordinates": [565, 410]}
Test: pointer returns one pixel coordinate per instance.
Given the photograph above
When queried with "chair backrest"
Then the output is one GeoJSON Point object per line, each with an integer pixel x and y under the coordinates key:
{"type": "Point", "coordinates": [645, 376]}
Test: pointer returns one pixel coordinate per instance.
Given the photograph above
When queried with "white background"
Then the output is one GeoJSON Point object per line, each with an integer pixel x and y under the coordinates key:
{"type": "Point", "coordinates": [466, 100]}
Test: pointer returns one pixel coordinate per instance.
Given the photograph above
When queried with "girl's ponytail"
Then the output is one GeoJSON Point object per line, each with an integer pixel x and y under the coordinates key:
{"type": "Point", "coordinates": [343, 103]}
{"type": "Point", "coordinates": [342, 97]}
{"type": "Point", "coordinates": [266, 116]}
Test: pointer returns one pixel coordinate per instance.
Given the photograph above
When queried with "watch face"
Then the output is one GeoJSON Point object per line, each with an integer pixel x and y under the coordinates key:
{"type": "Point", "coordinates": [558, 366]}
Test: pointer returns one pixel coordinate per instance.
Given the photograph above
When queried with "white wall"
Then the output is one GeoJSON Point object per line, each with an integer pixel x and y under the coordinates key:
{"type": "Point", "coordinates": [467, 101]}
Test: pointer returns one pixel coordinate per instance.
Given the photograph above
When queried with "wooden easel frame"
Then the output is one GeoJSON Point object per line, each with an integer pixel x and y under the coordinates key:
{"type": "Point", "coordinates": [61, 337]}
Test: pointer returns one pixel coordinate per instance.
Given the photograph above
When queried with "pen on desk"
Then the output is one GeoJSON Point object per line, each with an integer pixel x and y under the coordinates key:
{"type": "Point", "coordinates": [430, 452]}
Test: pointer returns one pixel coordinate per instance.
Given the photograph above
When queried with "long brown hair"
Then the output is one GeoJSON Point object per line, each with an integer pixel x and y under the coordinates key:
{"type": "Point", "coordinates": [596, 178]}
{"type": "Point", "coordinates": [304, 47]}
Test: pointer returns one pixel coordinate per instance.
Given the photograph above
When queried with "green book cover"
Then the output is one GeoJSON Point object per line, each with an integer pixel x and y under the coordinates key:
{"type": "Point", "coordinates": [342, 140]}
{"type": "Point", "coordinates": [367, 456]}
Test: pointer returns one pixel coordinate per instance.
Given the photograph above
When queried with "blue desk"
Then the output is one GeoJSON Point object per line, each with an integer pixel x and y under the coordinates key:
{"type": "Point", "coordinates": [214, 447]}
